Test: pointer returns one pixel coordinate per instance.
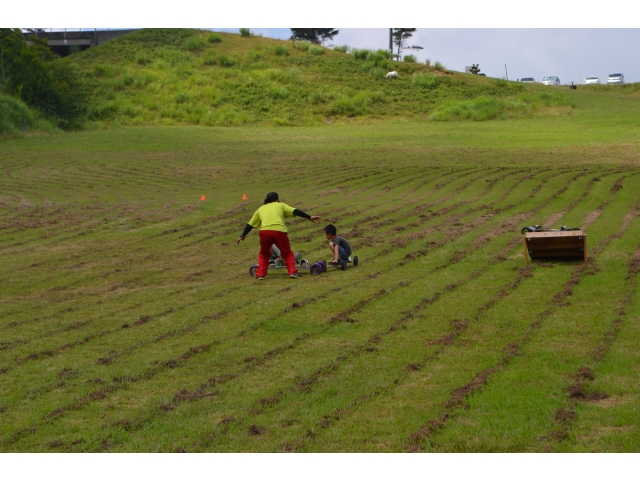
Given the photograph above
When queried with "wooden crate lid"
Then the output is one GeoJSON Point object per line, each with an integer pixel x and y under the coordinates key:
{"type": "Point", "coordinates": [572, 233]}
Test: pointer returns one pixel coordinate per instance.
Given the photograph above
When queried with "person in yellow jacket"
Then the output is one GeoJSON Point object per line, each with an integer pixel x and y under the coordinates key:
{"type": "Point", "coordinates": [270, 218]}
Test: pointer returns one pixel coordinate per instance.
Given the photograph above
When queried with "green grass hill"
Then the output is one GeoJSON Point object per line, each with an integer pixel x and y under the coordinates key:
{"type": "Point", "coordinates": [195, 77]}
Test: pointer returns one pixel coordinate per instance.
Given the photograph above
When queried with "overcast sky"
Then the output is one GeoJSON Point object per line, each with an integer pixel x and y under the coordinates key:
{"type": "Point", "coordinates": [569, 53]}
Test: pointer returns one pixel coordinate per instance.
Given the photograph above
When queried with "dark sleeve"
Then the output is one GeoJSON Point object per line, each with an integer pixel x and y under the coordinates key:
{"type": "Point", "coordinates": [300, 213]}
{"type": "Point", "coordinates": [247, 229]}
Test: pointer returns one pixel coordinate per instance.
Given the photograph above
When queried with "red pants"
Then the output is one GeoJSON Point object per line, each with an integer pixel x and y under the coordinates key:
{"type": "Point", "coordinates": [281, 240]}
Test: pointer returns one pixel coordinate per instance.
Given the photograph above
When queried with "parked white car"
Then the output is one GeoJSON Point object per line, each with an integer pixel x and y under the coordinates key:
{"type": "Point", "coordinates": [554, 81]}
{"type": "Point", "coordinates": [592, 81]}
{"type": "Point", "coordinates": [528, 80]}
{"type": "Point", "coordinates": [615, 78]}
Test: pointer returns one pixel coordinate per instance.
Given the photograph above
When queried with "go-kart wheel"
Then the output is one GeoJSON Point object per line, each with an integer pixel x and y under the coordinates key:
{"type": "Point", "coordinates": [252, 270]}
{"type": "Point", "coordinates": [343, 264]}
{"type": "Point", "coordinates": [316, 269]}
{"type": "Point", "coordinates": [355, 261]}
{"type": "Point", "coordinates": [324, 265]}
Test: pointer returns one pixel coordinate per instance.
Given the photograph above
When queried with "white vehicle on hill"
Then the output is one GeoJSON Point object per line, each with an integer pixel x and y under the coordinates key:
{"type": "Point", "coordinates": [592, 81]}
{"type": "Point", "coordinates": [615, 79]}
{"type": "Point", "coordinates": [553, 81]}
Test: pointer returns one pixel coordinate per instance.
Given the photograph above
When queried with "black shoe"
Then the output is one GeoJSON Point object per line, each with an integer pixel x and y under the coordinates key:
{"type": "Point", "coordinates": [295, 275]}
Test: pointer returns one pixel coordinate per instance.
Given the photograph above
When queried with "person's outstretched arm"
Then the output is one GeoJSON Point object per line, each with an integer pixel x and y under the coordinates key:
{"type": "Point", "coordinates": [247, 229]}
{"type": "Point", "coordinates": [300, 213]}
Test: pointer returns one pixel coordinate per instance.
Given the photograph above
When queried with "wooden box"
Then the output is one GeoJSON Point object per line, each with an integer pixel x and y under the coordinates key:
{"type": "Point", "coordinates": [569, 245]}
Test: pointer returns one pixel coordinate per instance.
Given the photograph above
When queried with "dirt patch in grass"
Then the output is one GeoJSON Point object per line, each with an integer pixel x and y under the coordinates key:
{"type": "Point", "coordinates": [255, 430]}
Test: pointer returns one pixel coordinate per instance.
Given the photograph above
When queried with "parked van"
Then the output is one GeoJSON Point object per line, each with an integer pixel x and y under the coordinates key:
{"type": "Point", "coordinates": [615, 79]}
{"type": "Point", "coordinates": [554, 81]}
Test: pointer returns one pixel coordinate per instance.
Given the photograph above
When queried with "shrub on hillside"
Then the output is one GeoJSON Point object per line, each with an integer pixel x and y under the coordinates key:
{"type": "Point", "coordinates": [281, 50]}
{"type": "Point", "coordinates": [302, 45]}
{"type": "Point", "coordinates": [194, 43]}
{"type": "Point", "coordinates": [341, 48]}
{"type": "Point", "coordinates": [245, 32]}
{"type": "Point", "coordinates": [377, 72]}
{"type": "Point", "coordinates": [376, 59]}
{"type": "Point", "coordinates": [424, 80]}
{"type": "Point", "coordinates": [356, 105]}
{"type": "Point", "coordinates": [225, 61]}
{"type": "Point", "coordinates": [214, 38]}
{"type": "Point", "coordinates": [315, 50]}
{"type": "Point", "coordinates": [410, 58]}
{"type": "Point", "coordinates": [360, 53]}
{"type": "Point", "coordinates": [438, 66]}
{"type": "Point", "coordinates": [427, 62]}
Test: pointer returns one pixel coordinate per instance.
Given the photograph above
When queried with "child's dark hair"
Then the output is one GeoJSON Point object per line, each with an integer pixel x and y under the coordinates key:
{"type": "Point", "coordinates": [271, 197]}
{"type": "Point", "coordinates": [331, 230]}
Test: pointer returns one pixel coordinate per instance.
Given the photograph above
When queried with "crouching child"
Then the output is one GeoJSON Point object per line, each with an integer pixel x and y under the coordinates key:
{"type": "Point", "coordinates": [339, 246]}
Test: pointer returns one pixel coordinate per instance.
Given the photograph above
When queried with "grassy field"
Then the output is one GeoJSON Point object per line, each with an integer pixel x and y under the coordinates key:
{"type": "Point", "coordinates": [130, 323]}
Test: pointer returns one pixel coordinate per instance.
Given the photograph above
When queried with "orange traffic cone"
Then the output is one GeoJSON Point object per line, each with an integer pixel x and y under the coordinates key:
{"type": "Point", "coordinates": [203, 198]}
{"type": "Point", "coordinates": [244, 196]}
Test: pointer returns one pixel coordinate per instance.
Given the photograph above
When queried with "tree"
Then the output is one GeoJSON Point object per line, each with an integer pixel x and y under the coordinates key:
{"type": "Point", "coordinates": [35, 75]}
{"type": "Point", "coordinates": [313, 35]}
{"type": "Point", "coordinates": [399, 37]}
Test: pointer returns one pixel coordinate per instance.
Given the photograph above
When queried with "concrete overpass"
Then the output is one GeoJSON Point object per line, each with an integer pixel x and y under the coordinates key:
{"type": "Point", "coordinates": [61, 41]}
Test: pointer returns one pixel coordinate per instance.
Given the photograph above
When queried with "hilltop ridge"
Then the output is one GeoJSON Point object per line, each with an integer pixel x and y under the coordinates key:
{"type": "Point", "coordinates": [184, 76]}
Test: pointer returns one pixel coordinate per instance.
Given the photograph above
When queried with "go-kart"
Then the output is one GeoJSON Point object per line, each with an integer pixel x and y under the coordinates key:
{"type": "Point", "coordinates": [315, 268]}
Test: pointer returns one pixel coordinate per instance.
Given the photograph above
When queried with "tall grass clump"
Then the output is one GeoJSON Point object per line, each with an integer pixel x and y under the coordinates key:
{"type": "Point", "coordinates": [550, 99]}
{"type": "Point", "coordinates": [245, 32]}
{"type": "Point", "coordinates": [377, 72]}
{"type": "Point", "coordinates": [341, 48]}
{"type": "Point", "coordinates": [478, 109]}
{"type": "Point", "coordinates": [315, 50]}
{"type": "Point", "coordinates": [143, 59]}
{"type": "Point", "coordinates": [255, 56]}
{"type": "Point", "coordinates": [438, 66]}
{"type": "Point", "coordinates": [209, 60]}
{"type": "Point", "coordinates": [410, 58]}
{"type": "Point", "coordinates": [424, 80]}
{"type": "Point", "coordinates": [107, 71]}
{"type": "Point", "coordinates": [225, 61]}
{"type": "Point", "coordinates": [356, 105]}
{"type": "Point", "coordinates": [302, 45]}
{"type": "Point", "coordinates": [194, 43]}
{"type": "Point", "coordinates": [281, 50]}
{"type": "Point", "coordinates": [360, 53]}
{"type": "Point", "coordinates": [214, 38]}
{"type": "Point", "coordinates": [13, 112]}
